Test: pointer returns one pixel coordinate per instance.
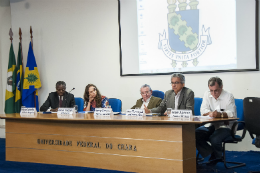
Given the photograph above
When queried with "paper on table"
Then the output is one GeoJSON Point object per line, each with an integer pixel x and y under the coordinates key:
{"type": "Point", "coordinates": [151, 114]}
{"type": "Point", "coordinates": [203, 117]}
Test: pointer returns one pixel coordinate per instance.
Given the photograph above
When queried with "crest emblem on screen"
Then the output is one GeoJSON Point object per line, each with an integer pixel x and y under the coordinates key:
{"type": "Point", "coordinates": [184, 42]}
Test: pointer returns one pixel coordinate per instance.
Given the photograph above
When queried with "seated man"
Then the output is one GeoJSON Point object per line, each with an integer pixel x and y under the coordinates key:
{"type": "Point", "coordinates": [217, 103]}
{"type": "Point", "coordinates": [179, 97]}
{"type": "Point", "coordinates": [60, 98]}
{"type": "Point", "coordinates": [147, 99]}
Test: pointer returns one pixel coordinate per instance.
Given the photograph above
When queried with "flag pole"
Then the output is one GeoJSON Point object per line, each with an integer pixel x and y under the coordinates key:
{"type": "Point", "coordinates": [32, 49]}
{"type": "Point", "coordinates": [11, 35]}
{"type": "Point", "coordinates": [20, 38]}
{"type": "Point", "coordinates": [31, 36]}
{"type": "Point", "coordinates": [20, 34]}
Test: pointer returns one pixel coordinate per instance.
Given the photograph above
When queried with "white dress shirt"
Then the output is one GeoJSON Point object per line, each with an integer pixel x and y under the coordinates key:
{"type": "Point", "coordinates": [145, 103]}
{"type": "Point", "coordinates": [224, 101]}
{"type": "Point", "coordinates": [177, 96]}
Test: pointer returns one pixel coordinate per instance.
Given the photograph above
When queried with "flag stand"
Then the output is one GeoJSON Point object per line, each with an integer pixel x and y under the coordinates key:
{"type": "Point", "coordinates": [32, 49]}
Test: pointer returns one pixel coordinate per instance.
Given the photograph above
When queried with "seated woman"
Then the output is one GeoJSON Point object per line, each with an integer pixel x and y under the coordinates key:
{"type": "Point", "coordinates": [93, 99]}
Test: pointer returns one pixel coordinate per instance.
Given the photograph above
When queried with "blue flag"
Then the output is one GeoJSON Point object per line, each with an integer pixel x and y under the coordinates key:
{"type": "Point", "coordinates": [31, 82]}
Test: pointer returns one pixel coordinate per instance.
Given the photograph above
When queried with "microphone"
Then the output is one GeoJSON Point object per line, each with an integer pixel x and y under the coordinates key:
{"type": "Point", "coordinates": [72, 89]}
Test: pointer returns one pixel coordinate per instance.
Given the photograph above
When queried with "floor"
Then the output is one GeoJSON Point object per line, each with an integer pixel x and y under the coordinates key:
{"type": "Point", "coordinates": [2, 131]}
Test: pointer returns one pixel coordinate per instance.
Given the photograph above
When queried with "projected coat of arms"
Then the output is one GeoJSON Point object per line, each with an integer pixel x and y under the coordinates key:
{"type": "Point", "coordinates": [186, 41]}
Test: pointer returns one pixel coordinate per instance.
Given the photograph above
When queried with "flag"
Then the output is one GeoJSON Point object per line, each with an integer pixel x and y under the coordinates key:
{"type": "Point", "coordinates": [19, 81]}
{"type": "Point", "coordinates": [31, 82]}
{"type": "Point", "coordinates": [10, 87]}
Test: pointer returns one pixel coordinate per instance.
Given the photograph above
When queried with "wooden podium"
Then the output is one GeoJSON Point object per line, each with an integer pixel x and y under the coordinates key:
{"type": "Point", "coordinates": [133, 144]}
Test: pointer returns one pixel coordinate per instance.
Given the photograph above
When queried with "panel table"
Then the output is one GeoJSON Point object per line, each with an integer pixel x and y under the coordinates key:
{"type": "Point", "coordinates": [119, 142]}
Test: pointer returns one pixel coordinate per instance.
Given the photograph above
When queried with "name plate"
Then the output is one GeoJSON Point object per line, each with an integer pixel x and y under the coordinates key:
{"type": "Point", "coordinates": [134, 118]}
{"type": "Point", "coordinates": [135, 112]}
{"type": "Point", "coordinates": [185, 114]}
{"type": "Point", "coordinates": [66, 111]}
{"type": "Point", "coordinates": [179, 119]}
{"type": "Point", "coordinates": [103, 117]}
{"type": "Point", "coordinates": [103, 112]}
{"type": "Point", "coordinates": [66, 116]}
{"type": "Point", "coordinates": [28, 112]}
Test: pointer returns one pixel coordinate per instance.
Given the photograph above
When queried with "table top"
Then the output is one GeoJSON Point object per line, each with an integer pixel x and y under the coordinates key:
{"type": "Point", "coordinates": [91, 118]}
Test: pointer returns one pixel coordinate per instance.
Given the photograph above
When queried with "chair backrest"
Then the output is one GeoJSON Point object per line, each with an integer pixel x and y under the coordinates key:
{"type": "Point", "coordinates": [253, 141]}
{"type": "Point", "coordinates": [157, 93]}
{"type": "Point", "coordinates": [197, 104]}
{"type": "Point", "coordinates": [240, 112]}
{"type": "Point", "coordinates": [116, 104]}
{"type": "Point", "coordinates": [252, 114]}
{"type": "Point", "coordinates": [80, 102]}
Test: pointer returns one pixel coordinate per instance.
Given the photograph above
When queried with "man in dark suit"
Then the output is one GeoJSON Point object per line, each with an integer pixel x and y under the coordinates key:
{"type": "Point", "coordinates": [179, 97]}
{"type": "Point", "coordinates": [147, 98]}
{"type": "Point", "coordinates": [60, 98]}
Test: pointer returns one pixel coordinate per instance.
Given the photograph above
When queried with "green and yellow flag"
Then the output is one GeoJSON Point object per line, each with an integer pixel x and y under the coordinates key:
{"type": "Point", "coordinates": [10, 86]}
{"type": "Point", "coordinates": [19, 81]}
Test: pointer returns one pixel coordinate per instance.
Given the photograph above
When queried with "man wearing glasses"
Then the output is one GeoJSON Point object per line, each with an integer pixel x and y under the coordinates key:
{"type": "Point", "coordinates": [217, 103]}
{"type": "Point", "coordinates": [147, 99]}
{"type": "Point", "coordinates": [179, 97]}
{"type": "Point", "coordinates": [60, 98]}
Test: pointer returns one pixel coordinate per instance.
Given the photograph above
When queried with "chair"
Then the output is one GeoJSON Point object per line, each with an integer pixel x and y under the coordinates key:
{"type": "Point", "coordinates": [116, 104]}
{"type": "Point", "coordinates": [253, 141]}
{"type": "Point", "coordinates": [80, 102]}
{"type": "Point", "coordinates": [157, 93]}
{"type": "Point", "coordinates": [234, 139]}
{"type": "Point", "coordinates": [252, 116]}
{"type": "Point", "coordinates": [197, 104]}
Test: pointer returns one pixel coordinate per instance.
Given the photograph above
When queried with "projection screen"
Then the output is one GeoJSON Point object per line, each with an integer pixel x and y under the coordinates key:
{"type": "Point", "coordinates": [189, 36]}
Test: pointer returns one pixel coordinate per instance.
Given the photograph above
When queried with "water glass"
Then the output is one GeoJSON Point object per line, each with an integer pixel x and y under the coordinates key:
{"type": "Point", "coordinates": [76, 108]}
{"type": "Point", "coordinates": [169, 111]}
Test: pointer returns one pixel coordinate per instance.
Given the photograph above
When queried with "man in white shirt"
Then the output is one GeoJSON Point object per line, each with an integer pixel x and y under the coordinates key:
{"type": "Point", "coordinates": [217, 103]}
{"type": "Point", "coordinates": [147, 99]}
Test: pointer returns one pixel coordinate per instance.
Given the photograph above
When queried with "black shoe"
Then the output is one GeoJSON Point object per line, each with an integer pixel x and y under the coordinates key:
{"type": "Point", "coordinates": [212, 157]}
{"type": "Point", "coordinates": [213, 162]}
{"type": "Point", "coordinates": [200, 159]}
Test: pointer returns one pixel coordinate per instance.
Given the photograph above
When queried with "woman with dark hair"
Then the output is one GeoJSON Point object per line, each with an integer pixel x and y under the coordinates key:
{"type": "Point", "coordinates": [93, 99]}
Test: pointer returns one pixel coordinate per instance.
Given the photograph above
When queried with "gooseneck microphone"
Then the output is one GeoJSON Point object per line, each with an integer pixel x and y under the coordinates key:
{"type": "Point", "coordinates": [72, 89]}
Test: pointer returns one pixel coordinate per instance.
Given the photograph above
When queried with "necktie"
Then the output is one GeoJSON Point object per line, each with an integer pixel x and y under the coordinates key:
{"type": "Point", "coordinates": [60, 102]}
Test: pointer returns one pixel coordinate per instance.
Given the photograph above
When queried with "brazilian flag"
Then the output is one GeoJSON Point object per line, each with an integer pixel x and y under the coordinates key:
{"type": "Point", "coordinates": [19, 81]}
{"type": "Point", "coordinates": [10, 86]}
{"type": "Point", "coordinates": [31, 82]}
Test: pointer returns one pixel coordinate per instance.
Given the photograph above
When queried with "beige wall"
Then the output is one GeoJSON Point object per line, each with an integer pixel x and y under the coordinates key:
{"type": "Point", "coordinates": [77, 41]}
{"type": "Point", "coordinates": [5, 25]}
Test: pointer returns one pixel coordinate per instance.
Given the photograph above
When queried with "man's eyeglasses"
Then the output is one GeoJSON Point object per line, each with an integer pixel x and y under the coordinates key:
{"type": "Point", "coordinates": [147, 92]}
{"type": "Point", "coordinates": [172, 83]}
{"type": "Point", "coordinates": [215, 91]}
